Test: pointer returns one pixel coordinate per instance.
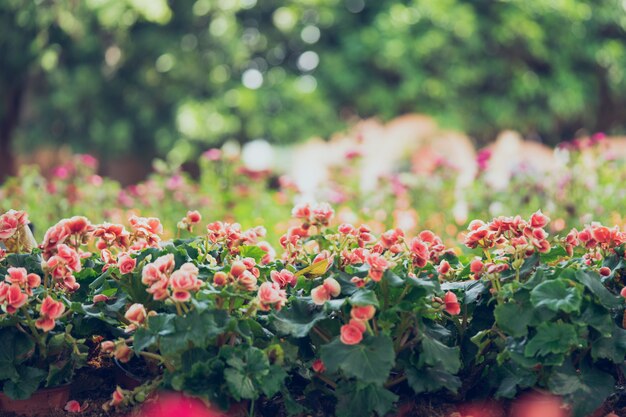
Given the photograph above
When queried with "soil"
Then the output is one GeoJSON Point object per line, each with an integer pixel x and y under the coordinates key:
{"type": "Point", "coordinates": [93, 388]}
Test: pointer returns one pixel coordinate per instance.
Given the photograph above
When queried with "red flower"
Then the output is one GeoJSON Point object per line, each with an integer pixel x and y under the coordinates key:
{"type": "Point", "coordinates": [362, 313]}
{"type": "Point", "coordinates": [452, 305]}
{"type": "Point", "coordinates": [318, 366]}
{"type": "Point", "coordinates": [351, 334]}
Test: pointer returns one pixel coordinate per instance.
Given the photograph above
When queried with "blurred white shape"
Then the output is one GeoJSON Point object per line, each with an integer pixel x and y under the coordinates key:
{"type": "Point", "coordinates": [310, 34]}
{"type": "Point", "coordinates": [258, 155]}
{"type": "Point", "coordinates": [252, 79]}
{"type": "Point", "coordinates": [231, 149]}
{"type": "Point", "coordinates": [112, 55]}
{"type": "Point", "coordinates": [308, 61]}
{"type": "Point", "coordinates": [306, 84]}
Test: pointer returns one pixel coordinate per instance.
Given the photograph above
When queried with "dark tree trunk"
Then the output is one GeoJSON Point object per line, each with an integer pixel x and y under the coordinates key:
{"type": "Point", "coordinates": [8, 122]}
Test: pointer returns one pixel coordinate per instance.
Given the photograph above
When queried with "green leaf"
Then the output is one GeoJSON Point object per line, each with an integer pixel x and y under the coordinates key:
{"type": "Point", "coordinates": [591, 280]}
{"type": "Point", "coordinates": [431, 379]}
{"type": "Point", "coordinates": [514, 376]}
{"type": "Point", "coordinates": [584, 389]}
{"type": "Point", "coordinates": [471, 289]}
{"type": "Point", "coordinates": [28, 382]}
{"type": "Point", "coordinates": [253, 252]}
{"type": "Point", "coordinates": [552, 338]}
{"type": "Point", "coordinates": [15, 347]}
{"type": "Point", "coordinates": [597, 317]}
{"type": "Point", "coordinates": [513, 318]}
{"type": "Point", "coordinates": [355, 400]}
{"type": "Point", "coordinates": [364, 297]}
{"type": "Point", "coordinates": [369, 361]}
{"type": "Point", "coordinates": [248, 371]}
{"type": "Point", "coordinates": [240, 384]}
{"type": "Point", "coordinates": [556, 295]}
{"type": "Point", "coordinates": [436, 354]}
{"type": "Point", "coordinates": [292, 407]}
{"type": "Point", "coordinates": [298, 319]}
{"type": "Point", "coordinates": [273, 382]}
{"type": "Point", "coordinates": [430, 286]}
{"type": "Point", "coordinates": [612, 348]}
{"type": "Point", "coordinates": [392, 279]}
{"type": "Point", "coordinates": [556, 253]}
{"type": "Point", "coordinates": [59, 372]}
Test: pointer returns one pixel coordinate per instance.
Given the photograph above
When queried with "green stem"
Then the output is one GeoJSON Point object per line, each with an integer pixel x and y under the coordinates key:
{"type": "Point", "coordinates": [321, 334]}
{"type": "Point", "coordinates": [251, 412]}
{"type": "Point", "coordinates": [395, 381]}
{"type": "Point", "coordinates": [38, 337]}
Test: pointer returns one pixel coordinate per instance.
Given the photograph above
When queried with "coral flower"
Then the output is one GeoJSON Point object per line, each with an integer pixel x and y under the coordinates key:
{"type": "Point", "coordinates": [362, 313]}
{"type": "Point", "coordinates": [452, 304]}
{"type": "Point", "coordinates": [351, 334]}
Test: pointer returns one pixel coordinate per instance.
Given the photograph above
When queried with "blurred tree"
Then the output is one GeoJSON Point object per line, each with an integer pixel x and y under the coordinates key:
{"type": "Point", "coordinates": [157, 77]}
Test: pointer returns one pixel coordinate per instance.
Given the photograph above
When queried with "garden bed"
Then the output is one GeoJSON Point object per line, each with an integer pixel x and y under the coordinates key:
{"type": "Point", "coordinates": [343, 322]}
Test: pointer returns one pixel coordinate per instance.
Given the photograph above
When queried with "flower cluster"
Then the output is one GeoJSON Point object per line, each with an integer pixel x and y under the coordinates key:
{"type": "Point", "coordinates": [513, 234]}
{"type": "Point", "coordinates": [165, 283]}
{"type": "Point", "coordinates": [231, 235]}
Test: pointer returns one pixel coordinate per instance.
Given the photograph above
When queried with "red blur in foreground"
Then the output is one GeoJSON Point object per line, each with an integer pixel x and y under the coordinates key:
{"type": "Point", "coordinates": [176, 405]}
{"type": "Point", "coordinates": [530, 405]}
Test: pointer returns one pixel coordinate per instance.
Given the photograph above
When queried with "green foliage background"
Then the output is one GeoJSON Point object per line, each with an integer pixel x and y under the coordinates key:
{"type": "Point", "coordinates": [114, 76]}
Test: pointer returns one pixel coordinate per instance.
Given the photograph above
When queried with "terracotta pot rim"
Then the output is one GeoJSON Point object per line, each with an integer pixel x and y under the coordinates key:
{"type": "Point", "coordinates": [62, 387]}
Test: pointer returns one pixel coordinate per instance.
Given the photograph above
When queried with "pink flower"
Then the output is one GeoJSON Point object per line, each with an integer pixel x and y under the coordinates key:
{"type": "Point", "coordinates": [194, 217]}
{"type": "Point", "coordinates": [378, 266]}
{"type": "Point", "coordinates": [419, 252]}
{"type": "Point", "coordinates": [220, 278]}
{"type": "Point", "coordinates": [73, 406]}
{"type": "Point", "coordinates": [112, 235]}
{"type": "Point", "coordinates": [100, 298]}
{"type": "Point", "coordinates": [391, 238]}
{"type": "Point", "coordinates": [136, 314]}
{"type": "Point", "coordinates": [270, 252]}
{"type": "Point", "coordinates": [10, 222]}
{"type": "Point", "coordinates": [212, 154]}
{"type": "Point", "coordinates": [623, 292]}
{"type": "Point", "coordinates": [605, 271]}
{"type": "Point", "coordinates": [318, 366]}
{"type": "Point", "coordinates": [270, 293]}
{"type": "Point", "coordinates": [185, 280]}
{"type": "Point", "coordinates": [16, 276]}
{"type": "Point", "coordinates": [539, 220]}
{"type": "Point", "coordinates": [45, 323]}
{"type": "Point", "coordinates": [444, 267]}
{"type": "Point", "coordinates": [12, 297]}
{"type": "Point", "coordinates": [476, 266]}
{"type": "Point", "coordinates": [122, 352]}
{"type": "Point", "coordinates": [117, 397]}
{"type": "Point", "coordinates": [301, 211]}
{"type": "Point", "coordinates": [452, 305]}
{"type": "Point", "coordinates": [321, 294]}
{"type": "Point", "coordinates": [158, 270]}
{"type": "Point", "coordinates": [362, 313]}
{"type": "Point", "coordinates": [347, 229]}
{"type": "Point", "coordinates": [125, 263]}
{"type": "Point", "coordinates": [322, 214]}
{"type": "Point", "coordinates": [247, 280]}
{"type": "Point", "coordinates": [107, 346]}
{"type": "Point", "coordinates": [237, 268]}
{"type": "Point", "coordinates": [351, 334]}
{"type": "Point", "coordinates": [51, 308]}
{"type": "Point", "coordinates": [284, 278]}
